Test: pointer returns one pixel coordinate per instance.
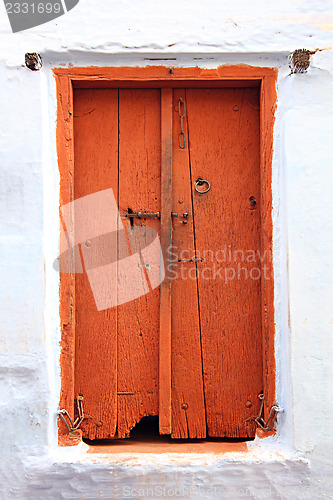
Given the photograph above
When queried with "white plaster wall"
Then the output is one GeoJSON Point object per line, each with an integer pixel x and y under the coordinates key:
{"type": "Point", "coordinates": [297, 463]}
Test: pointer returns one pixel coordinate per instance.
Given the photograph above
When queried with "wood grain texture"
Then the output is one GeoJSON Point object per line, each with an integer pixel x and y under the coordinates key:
{"type": "Point", "coordinates": [65, 144]}
{"type": "Point", "coordinates": [188, 405]}
{"type": "Point", "coordinates": [96, 169]}
{"type": "Point", "coordinates": [160, 77]}
{"type": "Point", "coordinates": [224, 149]}
{"type": "Point", "coordinates": [139, 190]}
{"type": "Point", "coordinates": [268, 98]}
{"type": "Point", "coordinates": [165, 423]}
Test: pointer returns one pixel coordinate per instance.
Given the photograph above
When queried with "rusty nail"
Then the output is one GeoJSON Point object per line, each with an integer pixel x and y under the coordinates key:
{"type": "Point", "coordinates": [248, 404]}
{"type": "Point", "coordinates": [184, 406]}
{"type": "Point", "coordinates": [185, 221]}
{"type": "Point", "coordinates": [88, 243]}
{"type": "Point", "coordinates": [181, 201]}
{"type": "Point", "coordinates": [235, 108]}
{"type": "Point", "coordinates": [99, 424]}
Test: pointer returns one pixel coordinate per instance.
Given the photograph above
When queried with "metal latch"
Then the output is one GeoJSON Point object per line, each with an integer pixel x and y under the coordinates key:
{"type": "Point", "coordinates": [259, 419]}
{"type": "Point", "coordinates": [74, 426]}
{"type": "Point", "coordinates": [150, 215]}
{"type": "Point", "coordinates": [143, 215]}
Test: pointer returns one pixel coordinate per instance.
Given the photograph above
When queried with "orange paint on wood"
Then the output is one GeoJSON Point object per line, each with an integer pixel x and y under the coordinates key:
{"type": "Point", "coordinates": [139, 190]}
{"type": "Point", "coordinates": [160, 76]}
{"type": "Point", "coordinates": [267, 109]}
{"type": "Point", "coordinates": [166, 241]}
{"type": "Point", "coordinates": [96, 168]}
{"type": "Point", "coordinates": [210, 345]}
{"type": "Point", "coordinates": [223, 133]}
{"type": "Point", "coordinates": [70, 438]}
{"type": "Point", "coordinates": [188, 400]}
{"type": "Point", "coordinates": [65, 148]}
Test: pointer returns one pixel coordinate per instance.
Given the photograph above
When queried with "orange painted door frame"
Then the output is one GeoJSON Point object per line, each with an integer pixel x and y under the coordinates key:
{"type": "Point", "coordinates": [162, 78]}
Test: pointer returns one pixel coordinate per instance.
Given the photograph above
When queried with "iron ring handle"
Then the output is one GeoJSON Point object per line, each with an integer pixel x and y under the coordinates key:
{"type": "Point", "coordinates": [200, 182]}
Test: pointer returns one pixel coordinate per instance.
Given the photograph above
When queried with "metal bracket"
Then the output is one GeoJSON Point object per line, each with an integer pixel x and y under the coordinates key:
{"type": "Point", "coordinates": [143, 215]}
{"type": "Point", "coordinates": [259, 420]}
{"type": "Point", "coordinates": [74, 426]}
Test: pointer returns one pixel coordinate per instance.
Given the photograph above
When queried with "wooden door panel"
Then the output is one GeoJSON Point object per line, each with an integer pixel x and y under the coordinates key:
{"type": "Point", "coordinates": [223, 131]}
{"type": "Point", "coordinates": [139, 190]}
{"type": "Point", "coordinates": [216, 348]}
{"type": "Point", "coordinates": [188, 404]}
{"type": "Point", "coordinates": [96, 169]}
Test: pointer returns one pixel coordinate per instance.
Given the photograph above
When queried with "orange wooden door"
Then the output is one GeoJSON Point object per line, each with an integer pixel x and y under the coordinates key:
{"type": "Point", "coordinates": [205, 382]}
{"type": "Point", "coordinates": [216, 302]}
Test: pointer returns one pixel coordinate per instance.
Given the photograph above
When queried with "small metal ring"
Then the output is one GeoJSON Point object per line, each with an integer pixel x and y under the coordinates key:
{"type": "Point", "coordinates": [200, 182]}
{"type": "Point", "coordinates": [181, 102]}
{"type": "Point", "coordinates": [181, 138]}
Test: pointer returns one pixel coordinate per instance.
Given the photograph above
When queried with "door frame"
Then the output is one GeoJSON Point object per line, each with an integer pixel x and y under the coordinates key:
{"type": "Point", "coordinates": [164, 77]}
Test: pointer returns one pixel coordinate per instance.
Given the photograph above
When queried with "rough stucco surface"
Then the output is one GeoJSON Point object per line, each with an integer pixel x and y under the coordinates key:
{"type": "Point", "coordinates": [297, 463]}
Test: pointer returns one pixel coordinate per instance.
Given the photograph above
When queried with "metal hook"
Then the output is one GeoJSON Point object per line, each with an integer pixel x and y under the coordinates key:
{"type": "Point", "coordinates": [74, 426]}
{"type": "Point", "coordinates": [259, 420]}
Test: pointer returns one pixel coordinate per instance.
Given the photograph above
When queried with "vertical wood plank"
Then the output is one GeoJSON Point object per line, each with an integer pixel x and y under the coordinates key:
{"type": "Point", "coordinates": [166, 242]}
{"type": "Point", "coordinates": [224, 149]}
{"type": "Point", "coordinates": [65, 147]}
{"type": "Point", "coordinates": [267, 118]}
{"type": "Point", "coordinates": [138, 319]}
{"type": "Point", "coordinates": [188, 401]}
{"type": "Point", "coordinates": [96, 169]}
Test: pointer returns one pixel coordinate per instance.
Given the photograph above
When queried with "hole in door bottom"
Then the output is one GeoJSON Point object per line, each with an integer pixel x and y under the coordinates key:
{"type": "Point", "coordinates": [147, 431]}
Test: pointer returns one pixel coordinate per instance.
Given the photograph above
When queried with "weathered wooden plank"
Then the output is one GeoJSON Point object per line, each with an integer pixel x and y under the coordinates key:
{"type": "Point", "coordinates": [188, 405]}
{"type": "Point", "coordinates": [224, 149]}
{"type": "Point", "coordinates": [65, 145]}
{"type": "Point", "coordinates": [267, 117]}
{"type": "Point", "coordinates": [96, 169]}
{"type": "Point", "coordinates": [138, 320]}
{"type": "Point", "coordinates": [166, 241]}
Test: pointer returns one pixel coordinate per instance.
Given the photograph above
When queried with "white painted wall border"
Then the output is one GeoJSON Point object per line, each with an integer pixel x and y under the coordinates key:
{"type": "Point", "coordinates": [282, 442]}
